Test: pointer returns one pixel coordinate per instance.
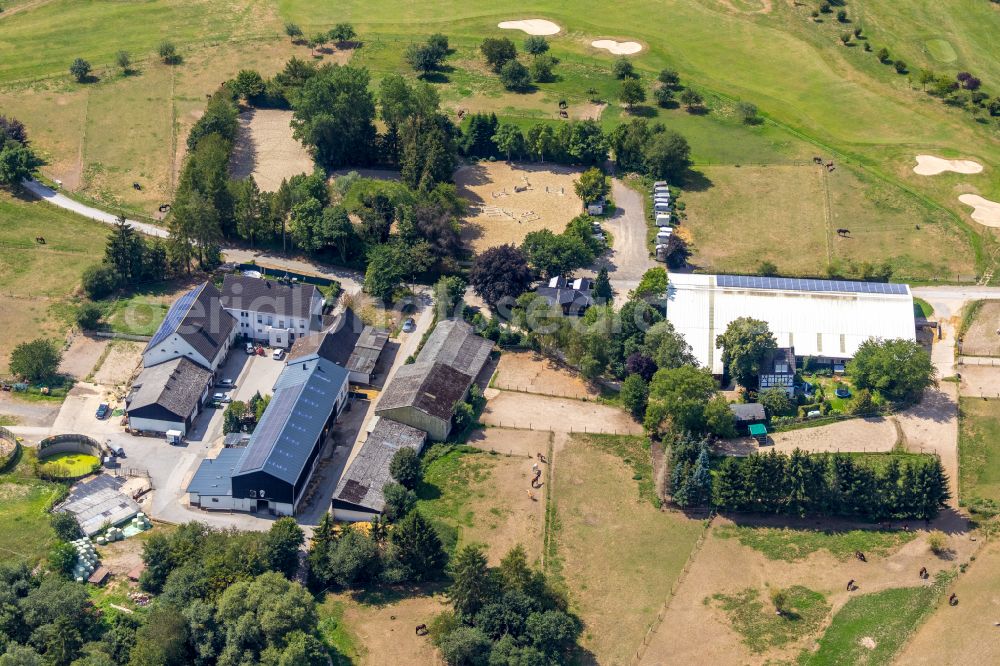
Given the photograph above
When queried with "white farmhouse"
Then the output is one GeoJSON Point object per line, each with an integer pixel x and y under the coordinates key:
{"type": "Point", "coordinates": [270, 312]}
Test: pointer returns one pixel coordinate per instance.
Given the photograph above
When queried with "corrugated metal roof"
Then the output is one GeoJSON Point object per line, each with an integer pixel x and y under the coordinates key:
{"type": "Point", "coordinates": [455, 344]}
{"type": "Point", "coordinates": [363, 480]}
{"type": "Point", "coordinates": [304, 398]}
{"type": "Point", "coordinates": [215, 476]}
{"type": "Point", "coordinates": [815, 322]}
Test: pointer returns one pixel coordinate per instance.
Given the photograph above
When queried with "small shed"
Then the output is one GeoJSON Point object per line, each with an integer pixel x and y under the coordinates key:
{"type": "Point", "coordinates": [99, 576]}
{"type": "Point", "coordinates": [759, 432]}
{"type": "Point", "coordinates": [747, 415]}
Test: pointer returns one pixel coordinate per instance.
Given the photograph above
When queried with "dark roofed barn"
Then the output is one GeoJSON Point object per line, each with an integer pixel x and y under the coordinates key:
{"type": "Point", "coordinates": [423, 395]}
{"type": "Point", "coordinates": [358, 495]}
{"type": "Point", "coordinates": [167, 396]}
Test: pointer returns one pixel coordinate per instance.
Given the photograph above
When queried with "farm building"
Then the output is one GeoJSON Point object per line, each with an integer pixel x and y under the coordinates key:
{"type": "Point", "coordinates": [349, 343]}
{"type": "Point", "coordinates": [196, 327]}
{"type": "Point", "coordinates": [167, 396]}
{"type": "Point", "coordinates": [272, 312]}
{"type": "Point", "coordinates": [746, 415]}
{"type": "Point", "coordinates": [424, 394]}
{"type": "Point", "coordinates": [778, 371]}
{"type": "Point", "coordinates": [359, 492]}
{"type": "Point", "coordinates": [272, 472]}
{"type": "Point", "coordinates": [824, 319]}
{"type": "Point", "coordinates": [573, 296]}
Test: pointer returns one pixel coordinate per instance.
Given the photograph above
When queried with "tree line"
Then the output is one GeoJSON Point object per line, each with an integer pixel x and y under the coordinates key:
{"type": "Point", "coordinates": [17, 160]}
{"type": "Point", "coordinates": [865, 487]}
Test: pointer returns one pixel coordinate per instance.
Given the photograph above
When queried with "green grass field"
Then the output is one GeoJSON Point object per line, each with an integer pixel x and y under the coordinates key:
{"type": "Point", "coordinates": [887, 618]}
{"type": "Point", "coordinates": [979, 450]}
{"type": "Point", "coordinates": [37, 281]}
{"type": "Point", "coordinates": [25, 533]}
{"type": "Point", "coordinates": [790, 545]}
{"type": "Point", "coordinates": [754, 618]}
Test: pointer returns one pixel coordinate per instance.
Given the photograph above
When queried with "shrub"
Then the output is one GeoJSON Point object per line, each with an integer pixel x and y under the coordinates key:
{"type": "Point", "coordinates": [88, 316]}
{"type": "Point", "coordinates": [80, 69]}
{"type": "Point", "coordinates": [938, 542]}
{"type": "Point", "coordinates": [168, 53]}
{"type": "Point", "coordinates": [900, 67]}
{"type": "Point", "coordinates": [515, 76]}
{"type": "Point", "coordinates": [623, 68]}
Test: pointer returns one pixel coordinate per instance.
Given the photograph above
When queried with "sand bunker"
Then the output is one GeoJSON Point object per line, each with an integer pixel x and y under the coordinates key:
{"type": "Point", "coordinates": [531, 26]}
{"type": "Point", "coordinates": [928, 165]}
{"type": "Point", "coordinates": [984, 211]}
{"type": "Point", "coordinates": [618, 48]}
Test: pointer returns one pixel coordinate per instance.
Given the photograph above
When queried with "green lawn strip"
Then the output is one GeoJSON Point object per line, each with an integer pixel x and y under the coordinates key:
{"type": "Point", "coordinates": [922, 308]}
{"type": "Point", "coordinates": [25, 533]}
{"type": "Point", "coordinates": [451, 481]}
{"type": "Point", "coordinates": [634, 451]}
{"type": "Point", "coordinates": [791, 545]}
{"type": "Point", "coordinates": [761, 627]}
{"type": "Point", "coordinates": [887, 618]}
{"type": "Point", "coordinates": [979, 454]}
{"type": "Point", "coordinates": [341, 643]}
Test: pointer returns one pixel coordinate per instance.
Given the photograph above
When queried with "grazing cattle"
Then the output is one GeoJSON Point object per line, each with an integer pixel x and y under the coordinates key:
{"type": "Point", "coordinates": [953, 599]}
{"type": "Point", "coordinates": [843, 232]}
{"type": "Point", "coordinates": [861, 556]}
{"type": "Point", "coordinates": [40, 240]}
{"type": "Point", "coordinates": [421, 630]}
{"type": "Point", "coordinates": [817, 159]}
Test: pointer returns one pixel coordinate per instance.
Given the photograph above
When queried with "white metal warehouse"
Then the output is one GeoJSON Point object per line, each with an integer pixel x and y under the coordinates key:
{"type": "Point", "coordinates": [825, 319]}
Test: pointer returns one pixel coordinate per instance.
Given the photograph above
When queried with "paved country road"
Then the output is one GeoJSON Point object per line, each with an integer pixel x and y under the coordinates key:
{"type": "Point", "coordinates": [62, 201]}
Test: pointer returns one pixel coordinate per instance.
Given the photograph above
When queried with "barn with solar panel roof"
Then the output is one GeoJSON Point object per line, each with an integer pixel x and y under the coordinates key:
{"type": "Point", "coordinates": [824, 319]}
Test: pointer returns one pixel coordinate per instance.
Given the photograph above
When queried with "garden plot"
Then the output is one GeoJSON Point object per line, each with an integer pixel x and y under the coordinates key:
{"type": "Point", "coordinates": [508, 201]}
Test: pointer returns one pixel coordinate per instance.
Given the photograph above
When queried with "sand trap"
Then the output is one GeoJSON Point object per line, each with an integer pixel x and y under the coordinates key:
{"type": "Point", "coordinates": [618, 48]}
{"type": "Point", "coordinates": [928, 165]}
{"type": "Point", "coordinates": [531, 26]}
{"type": "Point", "coordinates": [984, 211]}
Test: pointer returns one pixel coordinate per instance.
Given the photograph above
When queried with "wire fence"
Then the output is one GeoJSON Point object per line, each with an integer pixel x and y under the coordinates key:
{"type": "Point", "coordinates": [586, 397]}
{"type": "Point", "coordinates": [660, 614]}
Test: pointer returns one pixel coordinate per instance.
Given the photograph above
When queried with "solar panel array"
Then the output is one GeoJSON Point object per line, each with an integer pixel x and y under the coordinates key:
{"type": "Point", "coordinates": [174, 316]}
{"type": "Point", "coordinates": [804, 284]}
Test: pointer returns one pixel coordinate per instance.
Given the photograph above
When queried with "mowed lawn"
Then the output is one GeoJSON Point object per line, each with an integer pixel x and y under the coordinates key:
{"type": "Point", "coordinates": [789, 216]}
{"type": "Point", "coordinates": [618, 555]}
{"type": "Point", "coordinates": [979, 449]}
{"type": "Point", "coordinates": [36, 280]}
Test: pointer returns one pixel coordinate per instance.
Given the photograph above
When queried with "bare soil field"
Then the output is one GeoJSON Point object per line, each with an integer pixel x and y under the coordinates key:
{"type": "Point", "coordinates": [963, 634]}
{"type": "Point", "coordinates": [510, 409]}
{"type": "Point", "coordinates": [981, 338]}
{"type": "Point", "coordinates": [79, 360]}
{"type": "Point", "coordinates": [499, 214]}
{"type": "Point", "coordinates": [533, 373]}
{"type": "Point", "coordinates": [854, 435]}
{"type": "Point", "coordinates": [618, 555]}
{"type": "Point", "coordinates": [386, 630]}
{"type": "Point", "coordinates": [932, 427]}
{"type": "Point", "coordinates": [266, 149]}
{"type": "Point", "coordinates": [980, 381]}
{"type": "Point", "coordinates": [525, 443]}
{"type": "Point", "coordinates": [693, 631]}
{"type": "Point", "coordinates": [121, 361]}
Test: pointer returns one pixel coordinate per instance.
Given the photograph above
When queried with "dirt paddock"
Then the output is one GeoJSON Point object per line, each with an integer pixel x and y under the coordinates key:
{"type": "Point", "coordinates": [79, 360]}
{"type": "Point", "coordinates": [532, 373]}
{"type": "Point", "coordinates": [266, 149]}
{"type": "Point", "coordinates": [122, 360]}
{"type": "Point", "coordinates": [982, 339]}
{"type": "Point", "coordinates": [511, 409]}
{"type": "Point", "coordinates": [500, 214]}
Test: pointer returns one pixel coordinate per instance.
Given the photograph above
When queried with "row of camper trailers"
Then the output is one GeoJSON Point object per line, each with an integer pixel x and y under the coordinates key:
{"type": "Point", "coordinates": [662, 210]}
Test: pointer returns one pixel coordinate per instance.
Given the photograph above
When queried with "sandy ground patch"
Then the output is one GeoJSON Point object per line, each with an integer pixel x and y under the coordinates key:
{"type": "Point", "coordinates": [980, 381]}
{"type": "Point", "coordinates": [929, 165]}
{"type": "Point", "coordinates": [499, 214]}
{"type": "Point", "coordinates": [531, 26]}
{"type": "Point", "coordinates": [78, 361]}
{"type": "Point", "coordinates": [984, 211]}
{"type": "Point", "coordinates": [534, 412]}
{"type": "Point", "coordinates": [532, 373]}
{"type": "Point", "coordinates": [620, 555]}
{"type": "Point", "coordinates": [120, 363]}
{"type": "Point", "coordinates": [968, 627]}
{"type": "Point", "coordinates": [525, 443]}
{"type": "Point", "coordinates": [865, 435]}
{"type": "Point", "coordinates": [617, 48]}
{"type": "Point", "coordinates": [509, 516]}
{"type": "Point", "coordinates": [981, 338]}
{"type": "Point", "coordinates": [266, 149]}
{"type": "Point", "coordinates": [695, 632]}
{"type": "Point", "coordinates": [386, 631]}
{"type": "Point", "coordinates": [932, 427]}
